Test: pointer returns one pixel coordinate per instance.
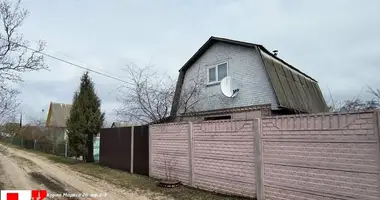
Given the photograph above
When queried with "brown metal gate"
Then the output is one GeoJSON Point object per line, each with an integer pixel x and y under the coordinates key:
{"type": "Point", "coordinates": [141, 150]}
{"type": "Point", "coordinates": [115, 148]}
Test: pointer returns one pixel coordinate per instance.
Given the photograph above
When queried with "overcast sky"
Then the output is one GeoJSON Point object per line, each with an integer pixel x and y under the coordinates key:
{"type": "Point", "coordinates": [335, 42]}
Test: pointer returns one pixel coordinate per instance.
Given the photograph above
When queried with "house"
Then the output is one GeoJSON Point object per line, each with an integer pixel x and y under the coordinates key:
{"type": "Point", "coordinates": [267, 84]}
{"type": "Point", "coordinates": [33, 132]}
{"type": "Point", "coordinates": [56, 120]}
{"type": "Point", "coordinates": [119, 124]}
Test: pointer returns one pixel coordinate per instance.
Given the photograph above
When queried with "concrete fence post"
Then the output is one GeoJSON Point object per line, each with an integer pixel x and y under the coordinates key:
{"type": "Point", "coordinates": [34, 144]}
{"type": "Point", "coordinates": [150, 150]}
{"type": "Point", "coordinates": [66, 147]}
{"type": "Point", "coordinates": [191, 154]}
{"type": "Point", "coordinates": [377, 132]}
{"type": "Point", "coordinates": [132, 145]}
{"type": "Point", "coordinates": [258, 159]}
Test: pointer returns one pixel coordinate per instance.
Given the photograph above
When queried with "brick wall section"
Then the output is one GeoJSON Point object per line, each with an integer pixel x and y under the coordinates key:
{"type": "Point", "coordinates": [334, 156]}
{"type": "Point", "coordinates": [223, 155]}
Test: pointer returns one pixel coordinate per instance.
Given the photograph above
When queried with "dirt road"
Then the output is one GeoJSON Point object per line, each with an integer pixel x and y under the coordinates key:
{"type": "Point", "coordinates": [23, 170]}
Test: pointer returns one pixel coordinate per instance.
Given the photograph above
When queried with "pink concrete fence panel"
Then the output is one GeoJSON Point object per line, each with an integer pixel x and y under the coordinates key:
{"type": "Point", "coordinates": [224, 157]}
{"type": "Point", "coordinates": [169, 152]}
{"type": "Point", "coordinates": [331, 156]}
{"type": "Point", "coordinates": [216, 156]}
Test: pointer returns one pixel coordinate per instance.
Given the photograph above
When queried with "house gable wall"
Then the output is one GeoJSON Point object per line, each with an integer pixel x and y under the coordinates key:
{"type": "Point", "coordinates": [246, 70]}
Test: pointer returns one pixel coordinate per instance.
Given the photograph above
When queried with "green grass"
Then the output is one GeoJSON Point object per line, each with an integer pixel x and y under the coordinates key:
{"type": "Point", "coordinates": [137, 183]}
{"type": "Point", "coordinates": [2, 185]}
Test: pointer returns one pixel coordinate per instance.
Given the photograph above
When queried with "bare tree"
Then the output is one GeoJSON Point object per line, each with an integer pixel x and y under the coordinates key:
{"type": "Point", "coordinates": [356, 104]}
{"type": "Point", "coordinates": [192, 93]}
{"type": "Point", "coordinates": [169, 164]}
{"type": "Point", "coordinates": [35, 129]}
{"type": "Point", "coordinates": [149, 96]}
{"type": "Point", "coordinates": [375, 93]}
{"type": "Point", "coordinates": [16, 55]}
{"type": "Point", "coordinates": [105, 124]}
{"type": "Point", "coordinates": [37, 121]}
{"type": "Point", "coordinates": [8, 105]}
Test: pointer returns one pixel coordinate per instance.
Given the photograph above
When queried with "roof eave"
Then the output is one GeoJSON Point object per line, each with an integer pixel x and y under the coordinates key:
{"type": "Point", "coordinates": [214, 39]}
{"type": "Point", "coordinates": [199, 52]}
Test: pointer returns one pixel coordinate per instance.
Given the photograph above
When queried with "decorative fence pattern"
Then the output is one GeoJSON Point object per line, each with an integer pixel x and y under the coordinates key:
{"type": "Point", "coordinates": [333, 156]}
{"type": "Point", "coordinates": [169, 143]}
{"type": "Point", "coordinates": [322, 156]}
{"type": "Point", "coordinates": [125, 148]}
{"type": "Point", "coordinates": [217, 155]}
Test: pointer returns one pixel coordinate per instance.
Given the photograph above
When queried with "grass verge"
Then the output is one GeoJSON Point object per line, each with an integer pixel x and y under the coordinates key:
{"type": "Point", "coordinates": [2, 185]}
{"type": "Point", "coordinates": [137, 183]}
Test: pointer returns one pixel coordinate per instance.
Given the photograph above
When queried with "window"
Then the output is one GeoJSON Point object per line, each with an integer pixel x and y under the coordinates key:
{"type": "Point", "coordinates": [218, 118]}
{"type": "Point", "coordinates": [217, 73]}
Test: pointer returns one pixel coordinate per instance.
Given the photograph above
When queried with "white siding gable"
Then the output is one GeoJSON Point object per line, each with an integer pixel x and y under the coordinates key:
{"type": "Point", "coordinates": [246, 70]}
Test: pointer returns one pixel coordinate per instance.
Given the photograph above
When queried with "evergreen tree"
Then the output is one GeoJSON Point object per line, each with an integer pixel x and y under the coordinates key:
{"type": "Point", "coordinates": [85, 120]}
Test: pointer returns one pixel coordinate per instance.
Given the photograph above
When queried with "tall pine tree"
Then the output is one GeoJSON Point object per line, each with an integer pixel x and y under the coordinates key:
{"type": "Point", "coordinates": [85, 120]}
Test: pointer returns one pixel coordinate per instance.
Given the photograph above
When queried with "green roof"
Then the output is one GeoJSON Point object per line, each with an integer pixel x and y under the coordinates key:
{"type": "Point", "coordinates": [293, 90]}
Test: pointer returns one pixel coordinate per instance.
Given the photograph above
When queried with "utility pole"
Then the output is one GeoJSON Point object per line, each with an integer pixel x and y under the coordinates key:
{"type": "Point", "coordinates": [21, 120]}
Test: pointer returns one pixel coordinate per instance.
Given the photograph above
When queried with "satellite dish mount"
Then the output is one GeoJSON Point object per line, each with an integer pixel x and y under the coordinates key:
{"type": "Point", "coordinates": [227, 87]}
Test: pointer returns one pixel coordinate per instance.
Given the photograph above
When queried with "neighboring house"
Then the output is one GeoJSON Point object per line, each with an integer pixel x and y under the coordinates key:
{"type": "Point", "coordinates": [33, 132]}
{"type": "Point", "coordinates": [119, 124]}
{"type": "Point", "coordinates": [267, 84]}
{"type": "Point", "coordinates": [56, 120]}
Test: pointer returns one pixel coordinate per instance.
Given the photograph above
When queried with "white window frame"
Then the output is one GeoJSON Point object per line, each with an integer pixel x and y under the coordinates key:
{"type": "Point", "coordinates": [216, 66]}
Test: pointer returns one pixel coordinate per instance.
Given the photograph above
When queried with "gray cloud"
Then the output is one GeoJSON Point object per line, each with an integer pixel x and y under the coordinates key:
{"type": "Point", "coordinates": [336, 42]}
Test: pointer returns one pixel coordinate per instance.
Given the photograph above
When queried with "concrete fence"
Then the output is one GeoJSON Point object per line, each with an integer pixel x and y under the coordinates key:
{"type": "Point", "coordinates": [331, 156]}
{"type": "Point", "coordinates": [322, 156]}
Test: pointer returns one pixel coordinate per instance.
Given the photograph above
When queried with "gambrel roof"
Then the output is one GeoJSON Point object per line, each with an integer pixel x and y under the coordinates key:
{"type": "Point", "coordinates": [294, 89]}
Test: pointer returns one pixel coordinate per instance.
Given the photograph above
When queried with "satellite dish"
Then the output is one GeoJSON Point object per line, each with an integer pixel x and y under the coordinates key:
{"type": "Point", "coordinates": [227, 88]}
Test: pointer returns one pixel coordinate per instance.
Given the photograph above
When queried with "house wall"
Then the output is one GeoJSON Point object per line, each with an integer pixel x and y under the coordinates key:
{"type": "Point", "coordinates": [321, 156]}
{"type": "Point", "coordinates": [59, 134]}
{"type": "Point", "coordinates": [247, 71]}
{"type": "Point", "coordinates": [249, 115]}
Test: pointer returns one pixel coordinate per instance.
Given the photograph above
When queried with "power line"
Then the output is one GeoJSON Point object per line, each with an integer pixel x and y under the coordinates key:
{"type": "Point", "coordinates": [70, 63]}
{"type": "Point", "coordinates": [73, 64]}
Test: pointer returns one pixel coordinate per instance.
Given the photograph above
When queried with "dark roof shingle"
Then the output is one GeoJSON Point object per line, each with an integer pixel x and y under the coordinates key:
{"type": "Point", "coordinates": [293, 90]}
